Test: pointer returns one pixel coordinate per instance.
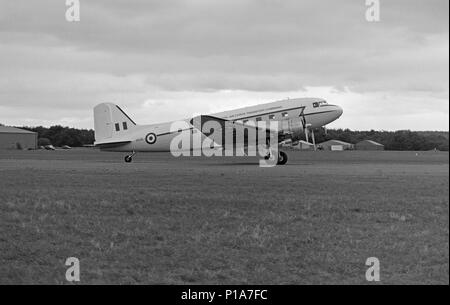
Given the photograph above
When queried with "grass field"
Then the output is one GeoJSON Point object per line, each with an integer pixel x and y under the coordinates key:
{"type": "Point", "coordinates": [164, 220]}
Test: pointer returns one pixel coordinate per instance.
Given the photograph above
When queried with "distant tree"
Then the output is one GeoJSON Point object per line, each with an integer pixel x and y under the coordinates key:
{"type": "Point", "coordinates": [44, 142]}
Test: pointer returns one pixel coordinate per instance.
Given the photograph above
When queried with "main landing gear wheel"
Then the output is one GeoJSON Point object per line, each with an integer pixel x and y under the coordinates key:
{"type": "Point", "coordinates": [282, 158]}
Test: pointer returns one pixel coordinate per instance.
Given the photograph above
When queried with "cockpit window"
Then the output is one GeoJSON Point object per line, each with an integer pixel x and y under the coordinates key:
{"type": "Point", "coordinates": [319, 104]}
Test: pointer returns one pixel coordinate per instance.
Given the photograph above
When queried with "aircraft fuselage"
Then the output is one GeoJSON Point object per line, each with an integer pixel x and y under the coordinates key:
{"type": "Point", "coordinates": [294, 116]}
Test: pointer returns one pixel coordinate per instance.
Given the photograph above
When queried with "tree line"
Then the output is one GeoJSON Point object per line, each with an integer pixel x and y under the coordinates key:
{"type": "Point", "coordinates": [60, 136]}
{"type": "Point", "coordinates": [392, 140]}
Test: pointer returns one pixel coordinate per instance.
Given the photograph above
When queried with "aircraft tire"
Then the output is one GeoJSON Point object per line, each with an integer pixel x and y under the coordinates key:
{"type": "Point", "coordinates": [128, 159]}
{"type": "Point", "coordinates": [282, 158]}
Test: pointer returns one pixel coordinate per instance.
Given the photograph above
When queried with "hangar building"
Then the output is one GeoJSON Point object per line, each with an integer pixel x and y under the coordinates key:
{"type": "Point", "coordinates": [15, 138]}
{"type": "Point", "coordinates": [335, 145]}
{"type": "Point", "coordinates": [369, 145]}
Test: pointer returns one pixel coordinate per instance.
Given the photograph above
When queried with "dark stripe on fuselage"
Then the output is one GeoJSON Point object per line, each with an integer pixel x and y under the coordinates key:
{"type": "Point", "coordinates": [171, 132]}
{"type": "Point", "coordinates": [284, 110]}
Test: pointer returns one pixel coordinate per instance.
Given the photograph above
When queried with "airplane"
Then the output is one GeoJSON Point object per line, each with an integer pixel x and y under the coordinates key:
{"type": "Point", "coordinates": [116, 131]}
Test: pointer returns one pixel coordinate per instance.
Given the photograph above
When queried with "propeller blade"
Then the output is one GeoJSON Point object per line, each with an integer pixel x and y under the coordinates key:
{"type": "Point", "coordinates": [303, 118]}
{"type": "Point", "coordinates": [313, 139]}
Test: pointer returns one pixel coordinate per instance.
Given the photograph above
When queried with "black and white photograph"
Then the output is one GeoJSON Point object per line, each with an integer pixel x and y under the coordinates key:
{"type": "Point", "coordinates": [219, 150]}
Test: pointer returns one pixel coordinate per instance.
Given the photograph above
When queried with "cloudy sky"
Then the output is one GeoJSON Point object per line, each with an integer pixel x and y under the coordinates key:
{"type": "Point", "coordinates": [165, 60]}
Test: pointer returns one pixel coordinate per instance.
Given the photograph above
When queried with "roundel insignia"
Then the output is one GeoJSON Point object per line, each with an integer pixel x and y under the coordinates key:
{"type": "Point", "coordinates": [150, 138]}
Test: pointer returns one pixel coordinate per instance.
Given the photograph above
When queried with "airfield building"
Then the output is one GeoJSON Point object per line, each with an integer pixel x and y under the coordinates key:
{"type": "Point", "coordinates": [369, 145]}
{"type": "Point", "coordinates": [15, 138]}
{"type": "Point", "coordinates": [335, 145]}
{"type": "Point", "coordinates": [303, 145]}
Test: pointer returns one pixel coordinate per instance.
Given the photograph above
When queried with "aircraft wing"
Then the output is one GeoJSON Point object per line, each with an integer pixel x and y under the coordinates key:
{"type": "Point", "coordinates": [228, 126]}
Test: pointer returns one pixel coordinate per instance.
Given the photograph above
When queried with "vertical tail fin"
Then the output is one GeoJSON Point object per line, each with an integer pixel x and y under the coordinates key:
{"type": "Point", "coordinates": [110, 121]}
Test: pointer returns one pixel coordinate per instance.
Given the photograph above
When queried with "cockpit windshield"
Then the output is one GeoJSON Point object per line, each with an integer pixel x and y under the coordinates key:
{"type": "Point", "coordinates": [319, 104]}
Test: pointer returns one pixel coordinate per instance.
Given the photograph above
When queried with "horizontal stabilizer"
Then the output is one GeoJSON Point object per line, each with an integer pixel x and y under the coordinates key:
{"type": "Point", "coordinates": [111, 144]}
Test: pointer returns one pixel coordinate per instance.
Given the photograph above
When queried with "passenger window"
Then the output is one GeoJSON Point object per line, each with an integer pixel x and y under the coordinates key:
{"type": "Point", "coordinates": [125, 127]}
{"type": "Point", "coordinates": [284, 114]}
{"type": "Point", "coordinates": [258, 119]}
{"type": "Point", "coordinates": [271, 116]}
{"type": "Point", "coordinates": [117, 127]}
{"type": "Point", "coordinates": [244, 121]}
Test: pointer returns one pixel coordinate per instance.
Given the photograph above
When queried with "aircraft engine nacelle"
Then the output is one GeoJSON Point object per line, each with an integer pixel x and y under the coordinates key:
{"type": "Point", "coordinates": [293, 128]}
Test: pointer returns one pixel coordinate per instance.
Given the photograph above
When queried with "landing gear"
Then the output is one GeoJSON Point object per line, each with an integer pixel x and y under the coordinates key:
{"type": "Point", "coordinates": [129, 158]}
{"type": "Point", "coordinates": [282, 157]}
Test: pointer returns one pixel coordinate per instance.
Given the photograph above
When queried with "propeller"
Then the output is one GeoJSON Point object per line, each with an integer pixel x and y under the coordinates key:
{"type": "Point", "coordinates": [306, 128]}
{"type": "Point", "coordinates": [313, 139]}
{"type": "Point", "coordinates": [307, 132]}
{"type": "Point", "coordinates": [304, 125]}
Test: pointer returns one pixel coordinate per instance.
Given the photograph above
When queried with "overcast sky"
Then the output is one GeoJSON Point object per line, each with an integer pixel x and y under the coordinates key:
{"type": "Point", "coordinates": [166, 60]}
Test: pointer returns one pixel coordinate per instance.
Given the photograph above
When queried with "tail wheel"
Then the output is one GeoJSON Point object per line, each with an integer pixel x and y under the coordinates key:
{"type": "Point", "coordinates": [282, 158]}
{"type": "Point", "coordinates": [128, 159]}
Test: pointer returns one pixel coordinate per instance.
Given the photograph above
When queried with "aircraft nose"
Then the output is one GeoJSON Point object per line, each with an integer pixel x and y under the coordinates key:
{"type": "Point", "coordinates": [338, 111]}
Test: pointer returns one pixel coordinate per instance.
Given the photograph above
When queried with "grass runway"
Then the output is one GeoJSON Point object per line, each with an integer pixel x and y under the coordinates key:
{"type": "Point", "coordinates": [165, 220]}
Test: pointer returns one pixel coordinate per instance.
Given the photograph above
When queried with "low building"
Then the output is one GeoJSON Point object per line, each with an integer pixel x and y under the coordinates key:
{"type": "Point", "coordinates": [369, 145]}
{"type": "Point", "coordinates": [335, 145]}
{"type": "Point", "coordinates": [303, 145]}
{"type": "Point", "coordinates": [15, 138]}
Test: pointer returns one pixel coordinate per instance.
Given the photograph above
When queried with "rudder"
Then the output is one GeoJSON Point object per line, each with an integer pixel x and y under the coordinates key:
{"type": "Point", "coordinates": [110, 121]}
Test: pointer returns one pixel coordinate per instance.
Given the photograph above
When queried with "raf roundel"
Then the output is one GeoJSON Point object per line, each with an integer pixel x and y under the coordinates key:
{"type": "Point", "coordinates": [150, 138]}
